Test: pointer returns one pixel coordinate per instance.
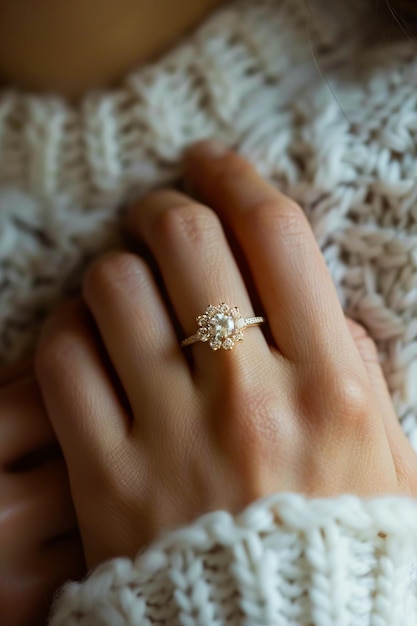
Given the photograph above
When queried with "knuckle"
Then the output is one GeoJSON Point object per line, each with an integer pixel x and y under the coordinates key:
{"type": "Point", "coordinates": [58, 346]}
{"type": "Point", "coordinates": [116, 269]}
{"type": "Point", "coordinates": [230, 169]}
{"type": "Point", "coordinates": [364, 343]}
{"type": "Point", "coordinates": [280, 217]}
{"type": "Point", "coordinates": [350, 400]}
{"type": "Point", "coordinates": [186, 224]}
{"type": "Point", "coordinates": [54, 353]}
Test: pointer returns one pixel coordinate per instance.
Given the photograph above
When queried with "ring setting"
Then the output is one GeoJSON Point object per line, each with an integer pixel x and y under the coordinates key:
{"type": "Point", "coordinates": [222, 327]}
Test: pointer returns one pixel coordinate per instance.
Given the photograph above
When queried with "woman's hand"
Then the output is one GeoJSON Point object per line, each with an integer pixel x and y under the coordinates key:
{"type": "Point", "coordinates": [40, 546]}
{"type": "Point", "coordinates": [155, 435]}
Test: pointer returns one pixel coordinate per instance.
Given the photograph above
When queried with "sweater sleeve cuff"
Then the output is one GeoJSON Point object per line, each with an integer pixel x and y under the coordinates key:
{"type": "Point", "coordinates": [285, 560]}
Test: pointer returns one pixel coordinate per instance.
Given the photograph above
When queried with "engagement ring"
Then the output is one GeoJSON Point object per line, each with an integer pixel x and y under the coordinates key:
{"type": "Point", "coordinates": [222, 326]}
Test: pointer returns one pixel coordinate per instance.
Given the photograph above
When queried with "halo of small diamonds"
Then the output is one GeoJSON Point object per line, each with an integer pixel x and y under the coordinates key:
{"type": "Point", "coordinates": [221, 326]}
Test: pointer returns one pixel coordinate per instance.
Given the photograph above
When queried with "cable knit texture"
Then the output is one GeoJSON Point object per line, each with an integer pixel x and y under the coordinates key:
{"type": "Point", "coordinates": [284, 561]}
{"type": "Point", "coordinates": [283, 83]}
{"type": "Point", "coordinates": [332, 120]}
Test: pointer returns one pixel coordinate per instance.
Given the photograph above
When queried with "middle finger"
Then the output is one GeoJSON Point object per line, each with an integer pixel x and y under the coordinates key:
{"type": "Point", "coordinates": [288, 268]}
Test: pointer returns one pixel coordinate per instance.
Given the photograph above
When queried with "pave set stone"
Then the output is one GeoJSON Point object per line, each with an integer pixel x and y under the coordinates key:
{"type": "Point", "coordinates": [221, 326]}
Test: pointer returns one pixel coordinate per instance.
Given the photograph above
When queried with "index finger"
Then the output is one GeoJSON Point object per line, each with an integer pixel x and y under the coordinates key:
{"type": "Point", "coordinates": [288, 269]}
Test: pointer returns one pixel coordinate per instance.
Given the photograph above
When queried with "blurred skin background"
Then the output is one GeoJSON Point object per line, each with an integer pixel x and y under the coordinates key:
{"type": "Point", "coordinates": [68, 47]}
{"type": "Point", "coordinates": [71, 46]}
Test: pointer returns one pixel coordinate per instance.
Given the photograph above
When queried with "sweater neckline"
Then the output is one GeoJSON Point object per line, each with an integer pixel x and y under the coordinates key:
{"type": "Point", "coordinates": [116, 142]}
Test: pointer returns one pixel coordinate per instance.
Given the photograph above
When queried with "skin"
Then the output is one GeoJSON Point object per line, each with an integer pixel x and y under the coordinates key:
{"type": "Point", "coordinates": [302, 407]}
{"type": "Point", "coordinates": [325, 417]}
{"type": "Point", "coordinates": [70, 47]}
{"type": "Point", "coordinates": [39, 541]}
{"type": "Point", "coordinates": [67, 48]}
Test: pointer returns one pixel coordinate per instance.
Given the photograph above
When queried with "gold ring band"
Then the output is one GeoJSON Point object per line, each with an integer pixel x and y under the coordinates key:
{"type": "Point", "coordinates": [221, 326]}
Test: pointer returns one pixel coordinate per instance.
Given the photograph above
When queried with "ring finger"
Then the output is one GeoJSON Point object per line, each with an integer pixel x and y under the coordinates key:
{"type": "Point", "coordinates": [198, 267]}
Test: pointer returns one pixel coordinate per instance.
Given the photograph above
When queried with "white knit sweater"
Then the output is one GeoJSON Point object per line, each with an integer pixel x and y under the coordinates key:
{"type": "Point", "coordinates": [286, 561]}
{"type": "Point", "coordinates": [334, 124]}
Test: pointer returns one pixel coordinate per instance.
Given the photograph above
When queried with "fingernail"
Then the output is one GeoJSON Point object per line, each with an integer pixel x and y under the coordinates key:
{"type": "Point", "coordinates": [209, 149]}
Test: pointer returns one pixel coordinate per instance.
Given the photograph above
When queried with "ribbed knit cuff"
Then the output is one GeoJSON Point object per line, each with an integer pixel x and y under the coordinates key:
{"type": "Point", "coordinates": [286, 560]}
